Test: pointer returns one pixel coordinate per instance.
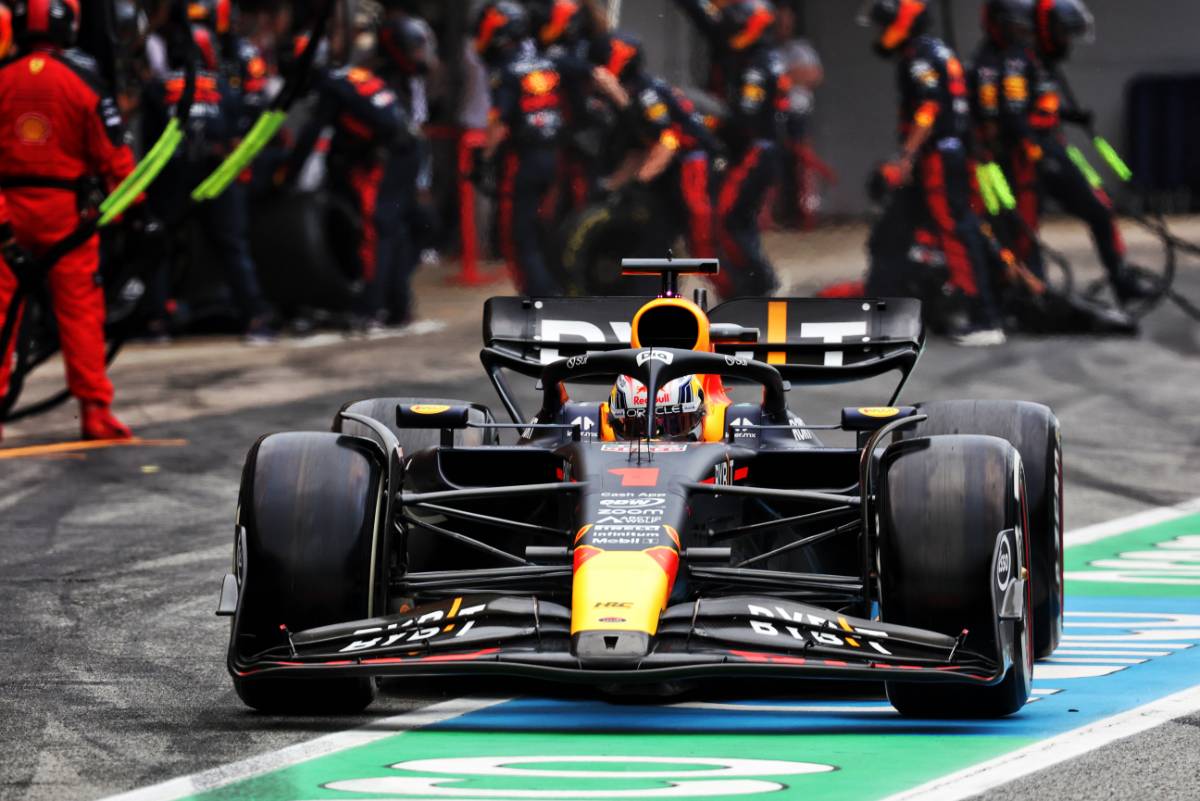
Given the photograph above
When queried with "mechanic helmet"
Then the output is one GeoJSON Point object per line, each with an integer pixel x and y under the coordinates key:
{"type": "Point", "coordinates": [1057, 22]}
{"type": "Point", "coordinates": [214, 14]}
{"type": "Point", "coordinates": [556, 22]}
{"type": "Point", "coordinates": [6, 31]}
{"type": "Point", "coordinates": [899, 21]}
{"type": "Point", "coordinates": [1008, 22]}
{"type": "Point", "coordinates": [132, 23]}
{"type": "Point", "coordinates": [620, 54]}
{"type": "Point", "coordinates": [404, 44]}
{"type": "Point", "coordinates": [746, 23]}
{"type": "Point", "coordinates": [678, 409]}
{"type": "Point", "coordinates": [53, 21]}
{"type": "Point", "coordinates": [499, 31]}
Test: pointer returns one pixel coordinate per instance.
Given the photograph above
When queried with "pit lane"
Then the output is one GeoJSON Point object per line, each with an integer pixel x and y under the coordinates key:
{"type": "Point", "coordinates": [114, 674]}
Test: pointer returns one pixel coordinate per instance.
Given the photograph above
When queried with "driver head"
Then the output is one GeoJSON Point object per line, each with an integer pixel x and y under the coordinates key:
{"type": "Point", "coordinates": [679, 409]}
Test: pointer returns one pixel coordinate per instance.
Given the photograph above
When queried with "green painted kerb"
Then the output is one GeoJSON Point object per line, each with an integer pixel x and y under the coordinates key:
{"type": "Point", "coordinates": [1161, 561]}
{"type": "Point", "coordinates": [869, 766]}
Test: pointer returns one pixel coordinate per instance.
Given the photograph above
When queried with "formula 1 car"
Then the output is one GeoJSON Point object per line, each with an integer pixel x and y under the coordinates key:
{"type": "Point", "coordinates": [409, 541]}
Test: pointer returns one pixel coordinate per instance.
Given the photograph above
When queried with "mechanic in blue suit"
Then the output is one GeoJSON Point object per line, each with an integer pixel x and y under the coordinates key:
{"type": "Point", "coordinates": [370, 164]}
{"type": "Point", "coordinates": [758, 101]}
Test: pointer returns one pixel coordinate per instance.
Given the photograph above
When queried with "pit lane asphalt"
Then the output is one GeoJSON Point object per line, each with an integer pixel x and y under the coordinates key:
{"type": "Point", "coordinates": [113, 663]}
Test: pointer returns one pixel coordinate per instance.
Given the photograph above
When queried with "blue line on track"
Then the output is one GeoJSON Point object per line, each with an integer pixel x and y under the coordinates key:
{"type": "Point", "coordinates": [1079, 702]}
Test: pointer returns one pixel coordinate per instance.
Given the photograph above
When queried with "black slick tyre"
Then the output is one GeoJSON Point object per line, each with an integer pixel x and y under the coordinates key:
{"type": "Point", "coordinates": [1034, 431]}
{"type": "Point", "coordinates": [310, 508]}
{"type": "Point", "coordinates": [943, 503]}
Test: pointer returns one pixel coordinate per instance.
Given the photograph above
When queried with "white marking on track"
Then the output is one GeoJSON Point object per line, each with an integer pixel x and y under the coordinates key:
{"type": "Point", "coordinates": [1047, 753]}
{"type": "Point", "coordinates": [801, 708]}
{"type": "Point", "coordinates": [303, 752]}
{"type": "Point", "coordinates": [1111, 528]}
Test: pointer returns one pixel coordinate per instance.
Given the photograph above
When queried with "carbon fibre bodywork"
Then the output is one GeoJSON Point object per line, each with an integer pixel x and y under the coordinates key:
{"type": "Point", "coordinates": [574, 557]}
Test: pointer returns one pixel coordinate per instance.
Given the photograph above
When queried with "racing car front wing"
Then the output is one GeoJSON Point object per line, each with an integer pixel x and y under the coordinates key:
{"type": "Point", "coordinates": [707, 638]}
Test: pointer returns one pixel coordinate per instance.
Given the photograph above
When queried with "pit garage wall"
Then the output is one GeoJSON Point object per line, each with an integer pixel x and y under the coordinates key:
{"type": "Point", "coordinates": [855, 120]}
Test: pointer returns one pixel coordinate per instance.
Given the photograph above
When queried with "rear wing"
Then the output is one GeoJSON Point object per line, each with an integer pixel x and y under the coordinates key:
{"type": "Point", "coordinates": [811, 341]}
{"type": "Point", "coordinates": [828, 341]}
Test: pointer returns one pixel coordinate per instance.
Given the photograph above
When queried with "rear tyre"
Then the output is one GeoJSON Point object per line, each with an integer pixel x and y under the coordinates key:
{"type": "Point", "coordinates": [310, 506]}
{"type": "Point", "coordinates": [942, 503]}
{"type": "Point", "coordinates": [1034, 431]}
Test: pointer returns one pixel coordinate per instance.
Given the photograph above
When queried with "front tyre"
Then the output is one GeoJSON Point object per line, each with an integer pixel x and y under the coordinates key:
{"type": "Point", "coordinates": [943, 503]}
{"type": "Point", "coordinates": [310, 508]}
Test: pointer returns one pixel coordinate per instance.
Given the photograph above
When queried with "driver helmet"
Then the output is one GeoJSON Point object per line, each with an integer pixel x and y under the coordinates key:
{"type": "Point", "coordinates": [679, 409]}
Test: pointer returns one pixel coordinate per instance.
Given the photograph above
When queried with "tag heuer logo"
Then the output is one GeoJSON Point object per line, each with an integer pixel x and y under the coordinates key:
{"type": "Point", "coordinates": [656, 355]}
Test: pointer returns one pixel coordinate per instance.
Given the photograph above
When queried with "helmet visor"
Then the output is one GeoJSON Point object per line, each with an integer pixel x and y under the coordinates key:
{"type": "Point", "coordinates": [678, 409]}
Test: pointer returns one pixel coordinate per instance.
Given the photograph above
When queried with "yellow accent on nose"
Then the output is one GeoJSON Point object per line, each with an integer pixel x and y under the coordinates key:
{"type": "Point", "coordinates": [619, 591]}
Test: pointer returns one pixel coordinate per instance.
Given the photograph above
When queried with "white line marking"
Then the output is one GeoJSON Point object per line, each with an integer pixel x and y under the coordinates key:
{"type": "Point", "coordinates": [1068, 651]}
{"type": "Point", "coordinates": [1118, 641]}
{"type": "Point", "coordinates": [1044, 754]}
{"type": "Point", "coordinates": [302, 752]}
{"type": "Point", "coordinates": [871, 709]}
{"type": "Point", "coordinates": [1111, 528]}
{"type": "Point", "coordinates": [1071, 659]}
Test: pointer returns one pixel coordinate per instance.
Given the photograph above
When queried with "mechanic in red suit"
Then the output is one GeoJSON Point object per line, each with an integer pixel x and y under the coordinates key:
{"type": "Point", "coordinates": [59, 128]}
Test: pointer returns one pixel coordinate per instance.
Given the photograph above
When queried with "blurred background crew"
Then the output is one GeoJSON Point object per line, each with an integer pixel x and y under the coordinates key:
{"type": "Point", "coordinates": [214, 126]}
{"type": "Point", "coordinates": [407, 58]}
{"type": "Point", "coordinates": [667, 148]}
{"type": "Point", "coordinates": [801, 199]}
{"type": "Point", "coordinates": [1003, 77]}
{"type": "Point", "coordinates": [1057, 24]}
{"type": "Point", "coordinates": [759, 97]}
{"type": "Point", "coordinates": [370, 165]}
{"type": "Point", "coordinates": [934, 132]}
{"type": "Point", "coordinates": [565, 31]}
{"type": "Point", "coordinates": [62, 130]}
{"type": "Point", "coordinates": [562, 27]}
{"type": "Point", "coordinates": [525, 129]}
{"type": "Point", "coordinates": [243, 67]}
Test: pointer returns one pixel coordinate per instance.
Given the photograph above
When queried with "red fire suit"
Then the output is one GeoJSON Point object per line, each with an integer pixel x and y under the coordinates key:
{"type": "Point", "coordinates": [60, 126]}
